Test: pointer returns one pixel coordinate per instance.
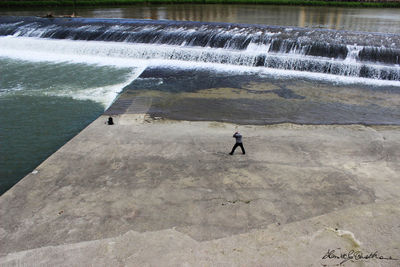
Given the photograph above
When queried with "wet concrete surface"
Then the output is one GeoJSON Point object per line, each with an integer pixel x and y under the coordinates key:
{"type": "Point", "coordinates": [204, 95]}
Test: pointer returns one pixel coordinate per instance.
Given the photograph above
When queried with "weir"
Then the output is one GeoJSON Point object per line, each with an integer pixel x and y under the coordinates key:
{"type": "Point", "coordinates": [159, 187]}
{"type": "Point", "coordinates": [348, 54]}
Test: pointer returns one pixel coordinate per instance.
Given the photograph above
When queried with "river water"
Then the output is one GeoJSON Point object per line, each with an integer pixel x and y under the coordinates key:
{"type": "Point", "coordinates": [337, 18]}
{"type": "Point", "coordinates": [251, 64]}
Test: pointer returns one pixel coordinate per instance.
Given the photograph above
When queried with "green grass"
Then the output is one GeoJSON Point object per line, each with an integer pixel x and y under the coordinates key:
{"type": "Point", "coordinates": [27, 3]}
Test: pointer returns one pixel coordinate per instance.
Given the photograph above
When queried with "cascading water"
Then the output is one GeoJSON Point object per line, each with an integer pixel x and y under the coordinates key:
{"type": "Point", "coordinates": [350, 54]}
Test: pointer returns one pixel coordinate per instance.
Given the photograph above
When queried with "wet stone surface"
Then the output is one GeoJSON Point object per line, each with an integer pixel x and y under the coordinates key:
{"type": "Point", "coordinates": [251, 99]}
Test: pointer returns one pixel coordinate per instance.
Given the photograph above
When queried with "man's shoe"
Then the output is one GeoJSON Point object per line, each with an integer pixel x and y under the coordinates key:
{"type": "Point", "coordinates": [231, 153]}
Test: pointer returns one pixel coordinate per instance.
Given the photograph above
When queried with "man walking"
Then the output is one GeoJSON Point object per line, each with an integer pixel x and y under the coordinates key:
{"type": "Point", "coordinates": [238, 137]}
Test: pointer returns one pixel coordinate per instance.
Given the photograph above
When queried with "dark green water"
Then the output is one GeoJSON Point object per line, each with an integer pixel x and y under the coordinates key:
{"type": "Point", "coordinates": [43, 105]}
{"type": "Point", "coordinates": [33, 127]}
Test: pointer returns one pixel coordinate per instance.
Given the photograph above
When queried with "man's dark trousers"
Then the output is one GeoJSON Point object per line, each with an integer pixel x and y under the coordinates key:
{"type": "Point", "coordinates": [235, 146]}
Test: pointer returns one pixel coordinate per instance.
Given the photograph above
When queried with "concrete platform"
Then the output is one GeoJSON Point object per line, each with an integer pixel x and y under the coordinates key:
{"type": "Point", "coordinates": [147, 192]}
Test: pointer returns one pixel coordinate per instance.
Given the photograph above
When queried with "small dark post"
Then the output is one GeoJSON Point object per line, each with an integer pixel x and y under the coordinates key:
{"type": "Point", "coordinates": [110, 121]}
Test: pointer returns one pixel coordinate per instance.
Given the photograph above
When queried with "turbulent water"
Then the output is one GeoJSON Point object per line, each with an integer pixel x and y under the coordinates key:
{"type": "Point", "coordinates": [57, 75]}
{"type": "Point", "coordinates": [366, 55]}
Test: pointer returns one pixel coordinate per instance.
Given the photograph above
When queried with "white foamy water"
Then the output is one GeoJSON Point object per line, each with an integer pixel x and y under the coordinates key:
{"type": "Point", "coordinates": [41, 50]}
{"type": "Point", "coordinates": [104, 94]}
{"type": "Point", "coordinates": [272, 73]}
{"type": "Point", "coordinates": [29, 50]}
{"type": "Point", "coordinates": [139, 56]}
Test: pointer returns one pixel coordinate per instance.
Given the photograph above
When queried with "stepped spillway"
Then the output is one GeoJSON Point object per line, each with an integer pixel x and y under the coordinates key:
{"type": "Point", "coordinates": [348, 54]}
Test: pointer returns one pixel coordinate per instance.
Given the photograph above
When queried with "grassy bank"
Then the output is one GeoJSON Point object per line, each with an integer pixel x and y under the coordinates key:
{"type": "Point", "coordinates": [37, 3]}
